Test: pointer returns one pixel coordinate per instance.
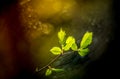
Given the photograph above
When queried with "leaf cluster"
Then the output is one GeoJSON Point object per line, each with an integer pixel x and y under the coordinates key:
{"type": "Point", "coordinates": [69, 43]}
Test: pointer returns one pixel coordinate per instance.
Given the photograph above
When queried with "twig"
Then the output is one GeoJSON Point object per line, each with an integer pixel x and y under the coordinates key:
{"type": "Point", "coordinates": [53, 60]}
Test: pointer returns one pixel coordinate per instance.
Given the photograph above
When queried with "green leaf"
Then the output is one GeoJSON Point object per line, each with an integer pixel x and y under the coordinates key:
{"type": "Point", "coordinates": [48, 72]}
{"type": "Point", "coordinates": [67, 47]}
{"type": "Point", "coordinates": [86, 40]}
{"type": "Point", "coordinates": [61, 36]}
{"type": "Point", "coordinates": [70, 40]}
{"type": "Point", "coordinates": [74, 46]}
{"type": "Point", "coordinates": [57, 70]}
{"type": "Point", "coordinates": [83, 52]}
{"type": "Point", "coordinates": [56, 50]}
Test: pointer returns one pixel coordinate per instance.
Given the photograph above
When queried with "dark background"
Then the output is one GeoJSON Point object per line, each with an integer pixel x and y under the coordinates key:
{"type": "Point", "coordinates": [104, 67]}
{"type": "Point", "coordinates": [107, 65]}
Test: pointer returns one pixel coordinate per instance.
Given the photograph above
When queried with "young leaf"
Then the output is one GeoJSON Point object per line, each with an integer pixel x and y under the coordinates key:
{"type": "Point", "coordinates": [67, 47]}
{"type": "Point", "coordinates": [86, 40]}
{"type": "Point", "coordinates": [56, 50]}
{"type": "Point", "coordinates": [48, 72]}
{"type": "Point", "coordinates": [61, 36]}
{"type": "Point", "coordinates": [57, 70]}
{"type": "Point", "coordinates": [83, 52]}
{"type": "Point", "coordinates": [70, 40]}
{"type": "Point", "coordinates": [74, 46]}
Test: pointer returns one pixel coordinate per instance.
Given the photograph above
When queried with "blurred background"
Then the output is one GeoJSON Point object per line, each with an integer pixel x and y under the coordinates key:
{"type": "Point", "coordinates": [28, 30]}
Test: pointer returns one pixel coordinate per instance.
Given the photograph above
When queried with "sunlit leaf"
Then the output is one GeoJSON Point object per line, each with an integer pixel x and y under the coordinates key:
{"type": "Point", "coordinates": [86, 40]}
{"type": "Point", "coordinates": [57, 70]}
{"type": "Point", "coordinates": [83, 52]}
{"type": "Point", "coordinates": [48, 72]}
{"type": "Point", "coordinates": [67, 47]}
{"type": "Point", "coordinates": [61, 36]}
{"type": "Point", "coordinates": [70, 40]}
{"type": "Point", "coordinates": [74, 46]}
{"type": "Point", "coordinates": [56, 50]}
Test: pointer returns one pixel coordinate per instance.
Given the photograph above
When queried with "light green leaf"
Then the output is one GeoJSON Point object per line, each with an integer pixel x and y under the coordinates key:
{"type": "Point", "coordinates": [70, 40]}
{"type": "Point", "coordinates": [57, 70]}
{"type": "Point", "coordinates": [86, 40]}
{"type": "Point", "coordinates": [67, 47]}
{"type": "Point", "coordinates": [48, 72]}
{"type": "Point", "coordinates": [56, 50]}
{"type": "Point", "coordinates": [74, 46]}
{"type": "Point", "coordinates": [61, 36]}
{"type": "Point", "coordinates": [83, 52]}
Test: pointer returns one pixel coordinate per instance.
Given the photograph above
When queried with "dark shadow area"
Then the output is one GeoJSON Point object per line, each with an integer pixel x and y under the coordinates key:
{"type": "Point", "coordinates": [107, 65]}
{"type": "Point", "coordinates": [4, 4]}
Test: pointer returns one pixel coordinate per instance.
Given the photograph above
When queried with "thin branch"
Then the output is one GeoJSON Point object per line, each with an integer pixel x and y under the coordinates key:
{"type": "Point", "coordinates": [53, 60]}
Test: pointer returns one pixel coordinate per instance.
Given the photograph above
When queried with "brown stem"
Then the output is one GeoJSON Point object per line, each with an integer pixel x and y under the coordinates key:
{"type": "Point", "coordinates": [53, 60]}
